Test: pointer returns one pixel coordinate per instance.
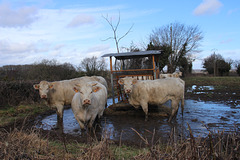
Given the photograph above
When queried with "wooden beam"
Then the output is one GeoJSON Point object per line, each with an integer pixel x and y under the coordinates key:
{"type": "Point", "coordinates": [113, 96]}
{"type": "Point", "coordinates": [154, 68]}
{"type": "Point", "coordinates": [111, 64]}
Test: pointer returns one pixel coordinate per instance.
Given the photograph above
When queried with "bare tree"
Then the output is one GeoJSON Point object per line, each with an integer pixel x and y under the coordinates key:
{"type": "Point", "coordinates": [93, 66]}
{"type": "Point", "coordinates": [184, 40]}
{"type": "Point", "coordinates": [114, 28]}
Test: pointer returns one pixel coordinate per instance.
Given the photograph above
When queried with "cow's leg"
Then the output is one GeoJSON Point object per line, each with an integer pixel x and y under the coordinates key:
{"type": "Point", "coordinates": [91, 121]}
{"type": "Point", "coordinates": [145, 109]}
{"type": "Point", "coordinates": [81, 124]}
{"type": "Point", "coordinates": [174, 109]}
{"type": "Point", "coordinates": [60, 116]}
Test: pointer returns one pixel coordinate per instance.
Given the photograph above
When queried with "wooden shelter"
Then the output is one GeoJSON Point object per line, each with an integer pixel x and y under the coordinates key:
{"type": "Point", "coordinates": [145, 72]}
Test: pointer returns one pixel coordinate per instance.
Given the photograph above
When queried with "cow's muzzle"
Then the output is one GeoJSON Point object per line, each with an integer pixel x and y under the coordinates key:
{"type": "Point", "coordinates": [86, 102]}
{"type": "Point", "coordinates": [128, 91]}
{"type": "Point", "coordinates": [43, 96]}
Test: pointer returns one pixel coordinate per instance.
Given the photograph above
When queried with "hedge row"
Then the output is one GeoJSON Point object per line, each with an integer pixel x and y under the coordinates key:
{"type": "Point", "coordinates": [13, 93]}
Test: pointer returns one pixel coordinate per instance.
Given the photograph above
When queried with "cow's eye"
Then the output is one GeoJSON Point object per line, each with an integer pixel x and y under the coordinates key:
{"type": "Point", "coordinates": [91, 91]}
{"type": "Point", "coordinates": [81, 92]}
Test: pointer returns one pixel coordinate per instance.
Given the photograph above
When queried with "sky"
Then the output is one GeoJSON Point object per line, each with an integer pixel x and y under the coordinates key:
{"type": "Point", "coordinates": [71, 30]}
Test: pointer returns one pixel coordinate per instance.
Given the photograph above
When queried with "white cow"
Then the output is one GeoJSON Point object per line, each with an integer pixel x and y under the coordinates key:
{"type": "Point", "coordinates": [142, 93]}
{"type": "Point", "coordinates": [171, 75]}
{"type": "Point", "coordinates": [93, 78]}
{"type": "Point", "coordinates": [89, 102]}
{"type": "Point", "coordinates": [60, 93]}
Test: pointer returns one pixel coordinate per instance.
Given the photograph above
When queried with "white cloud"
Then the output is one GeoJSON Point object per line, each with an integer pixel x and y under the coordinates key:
{"type": "Point", "coordinates": [226, 41]}
{"type": "Point", "coordinates": [208, 7]}
{"type": "Point", "coordinates": [49, 38]}
{"type": "Point", "coordinates": [80, 20]}
{"type": "Point", "coordinates": [17, 18]}
{"type": "Point", "coordinates": [233, 11]}
{"type": "Point", "coordinates": [98, 50]}
{"type": "Point", "coordinates": [20, 48]}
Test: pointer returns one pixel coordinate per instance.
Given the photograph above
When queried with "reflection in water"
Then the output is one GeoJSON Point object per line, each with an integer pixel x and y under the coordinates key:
{"type": "Point", "coordinates": [215, 116]}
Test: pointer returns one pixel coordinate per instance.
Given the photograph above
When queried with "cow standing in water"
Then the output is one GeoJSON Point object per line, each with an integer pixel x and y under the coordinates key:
{"type": "Point", "coordinates": [142, 93]}
{"type": "Point", "coordinates": [89, 102]}
{"type": "Point", "coordinates": [60, 93]}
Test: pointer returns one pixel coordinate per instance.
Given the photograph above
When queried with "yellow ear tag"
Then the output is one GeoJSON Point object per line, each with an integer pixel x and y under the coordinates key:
{"type": "Point", "coordinates": [76, 90]}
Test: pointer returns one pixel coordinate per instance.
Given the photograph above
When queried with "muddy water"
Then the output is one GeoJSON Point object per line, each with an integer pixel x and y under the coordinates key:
{"type": "Point", "coordinates": [201, 116]}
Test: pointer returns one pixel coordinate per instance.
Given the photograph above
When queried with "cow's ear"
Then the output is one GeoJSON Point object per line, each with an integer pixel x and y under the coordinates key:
{"type": "Point", "coordinates": [134, 81]}
{"type": "Point", "coordinates": [75, 89]}
{"type": "Point", "coordinates": [121, 81]}
{"type": "Point", "coordinates": [94, 84]}
{"type": "Point", "coordinates": [50, 86]}
{"type": "Point", "coordinates": [78, 85]}
{"type": "Point", "coordinates": [96, 88]}
{"type": "Point", "coordinates": [36, 86]}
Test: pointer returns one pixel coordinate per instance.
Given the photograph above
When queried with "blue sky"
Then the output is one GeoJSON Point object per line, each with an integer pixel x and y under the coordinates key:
{"type": "Point", "coordinates": [69, 31]}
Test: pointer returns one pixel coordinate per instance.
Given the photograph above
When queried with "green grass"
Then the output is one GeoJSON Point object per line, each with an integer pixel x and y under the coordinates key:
{"type": "Point", "coordinates": [213, 81]}
{"type": "Point", "coordinates": [11, 114]}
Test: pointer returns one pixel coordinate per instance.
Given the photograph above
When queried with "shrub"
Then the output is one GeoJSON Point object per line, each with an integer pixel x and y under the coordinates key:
{"type": "Point", "coordinates": [16, 92]}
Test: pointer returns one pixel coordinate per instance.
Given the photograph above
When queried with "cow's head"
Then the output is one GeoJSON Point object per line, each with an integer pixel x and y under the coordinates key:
{"type": "Point", "coordinates": [43, 88]}
{"type": "Point", "coordinates": [86, 91]}
{"type": "Point", "coordinates": [128, 83]}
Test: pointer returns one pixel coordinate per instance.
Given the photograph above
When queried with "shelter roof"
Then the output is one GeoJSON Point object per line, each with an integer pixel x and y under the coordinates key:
{"type": "Point", "coordinates": [129, 55]}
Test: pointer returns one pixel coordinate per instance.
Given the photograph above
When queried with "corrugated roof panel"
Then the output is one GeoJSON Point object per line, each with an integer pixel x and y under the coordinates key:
{"type": "Point", "coordinates": [127, 55]}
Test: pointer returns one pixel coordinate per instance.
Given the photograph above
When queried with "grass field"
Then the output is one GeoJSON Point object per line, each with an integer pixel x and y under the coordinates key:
{"type": "Point", "coordinates": [213, 81]}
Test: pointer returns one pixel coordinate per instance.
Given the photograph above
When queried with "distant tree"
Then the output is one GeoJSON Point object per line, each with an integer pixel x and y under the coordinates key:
{"type": "Point", "coordinates": [215, 64]}
{"type": "Point", "coordinates": [52, 70]}
{"type": "Point", "coordinates": [223, 67]}
{"type": "Point", "coordinates": [162, 59]}
{"type": "Point", "coordinates": [185, 66]}
{"type": "Point", "coordinates": [135, 63]}
{"type": "Point", "coordinates": [93, 66]}
{"type": "Point", "coordinates": [49, 70]}
{"type": "Point", "coordinates": [237, 65]}
{"type": "Point", "coordinates": [179, 37]}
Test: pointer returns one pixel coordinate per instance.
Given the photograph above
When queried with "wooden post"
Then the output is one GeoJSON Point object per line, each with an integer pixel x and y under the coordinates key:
{"type": "Point", "coordinates": [154, 69]}
{"type": "Point", "coordinates": [113, 97]}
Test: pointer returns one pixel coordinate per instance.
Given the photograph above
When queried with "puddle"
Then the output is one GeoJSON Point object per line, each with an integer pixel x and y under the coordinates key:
{"type": "Point", "coordinates": [200, 89]}
{"type": "Point", "coordinates": [215, 116]}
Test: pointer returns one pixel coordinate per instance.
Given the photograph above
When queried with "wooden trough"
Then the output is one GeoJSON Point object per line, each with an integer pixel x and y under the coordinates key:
{"type": "Point", "coordinates": [143, 72]}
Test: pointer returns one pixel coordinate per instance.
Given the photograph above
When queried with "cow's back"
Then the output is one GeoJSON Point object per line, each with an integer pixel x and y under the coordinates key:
{"type": "Point", "coordinates": [62, 92]}
{"type": "Point", "coordinates": [157, 91]}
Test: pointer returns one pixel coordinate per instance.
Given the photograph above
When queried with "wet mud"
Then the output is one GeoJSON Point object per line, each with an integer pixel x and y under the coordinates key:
{"type": "Point", "coordinates": [126, 124]}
